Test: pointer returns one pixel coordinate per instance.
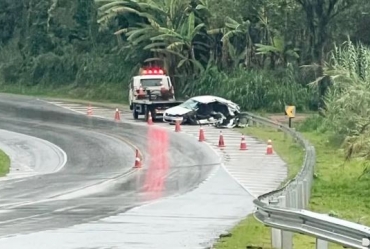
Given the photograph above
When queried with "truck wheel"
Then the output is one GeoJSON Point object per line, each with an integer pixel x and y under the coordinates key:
{"type": "Point", "coordinates": [135, 114]}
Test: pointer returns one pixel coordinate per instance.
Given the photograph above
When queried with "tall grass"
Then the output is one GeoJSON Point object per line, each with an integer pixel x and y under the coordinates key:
{"type": "Point", "coordinates": [347, 102]}
{"type": "Point", "coordinates": [254, 89]}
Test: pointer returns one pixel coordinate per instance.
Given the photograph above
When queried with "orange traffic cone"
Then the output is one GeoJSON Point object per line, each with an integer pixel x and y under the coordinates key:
{"type": "Point", "coordinates": [117, 115]}
{"type": "Point", "coordinates": [269, 150]}
{"type": "Point", "coordinates": [221, 142]}
{"type": "Point", "coordinates": [89, 110]}
{"type": "Point", "coordinates": [177, 127]}
{"type": "Point", "coordinates": [243, 144]}
{"type": "Point", "coordinates": [201, 135]}
{"type": "Point", "coordinates": [137, 160]}
{"type": "Point", "coordinates": [150, 120]}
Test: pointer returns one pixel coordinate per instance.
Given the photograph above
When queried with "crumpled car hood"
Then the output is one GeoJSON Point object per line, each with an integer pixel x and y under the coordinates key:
{"type": "Point", "coordinates": [216, 111]}
{"type": "Point", "coordinates": [207, 99]}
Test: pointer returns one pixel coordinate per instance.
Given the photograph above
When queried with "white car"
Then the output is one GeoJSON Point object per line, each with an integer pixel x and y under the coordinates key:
{"type": "Point", "coordinates": [204, 109]}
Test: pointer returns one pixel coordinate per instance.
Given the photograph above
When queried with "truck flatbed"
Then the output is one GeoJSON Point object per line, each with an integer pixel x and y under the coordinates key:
{"type": "Point", "coordinates": [155, 108]}
{"type": "Point", "coordinates": [156, 102]}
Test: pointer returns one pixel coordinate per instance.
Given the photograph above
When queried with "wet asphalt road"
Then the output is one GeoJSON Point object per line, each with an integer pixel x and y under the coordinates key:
{"type": "Point", "coordinates": [30, 156]}
{"type": "Point", "coordinates": [97, 180]}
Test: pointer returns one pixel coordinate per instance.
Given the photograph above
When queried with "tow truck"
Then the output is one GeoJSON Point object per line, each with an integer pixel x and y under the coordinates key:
{"type": "Point", "coordinates": [151, 92]}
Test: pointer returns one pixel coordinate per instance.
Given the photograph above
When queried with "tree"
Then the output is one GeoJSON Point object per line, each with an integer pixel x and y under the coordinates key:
{"type": "Point", "coordinates": [170, 32]}
{"type": "Point", "coordinates": [319, 14]}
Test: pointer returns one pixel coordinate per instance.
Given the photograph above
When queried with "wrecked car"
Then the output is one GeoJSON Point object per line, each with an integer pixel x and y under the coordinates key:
{"type": "Point", "coordinates": [205, 110]}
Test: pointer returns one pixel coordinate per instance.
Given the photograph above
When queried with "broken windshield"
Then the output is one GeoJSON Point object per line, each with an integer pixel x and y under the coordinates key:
{"type": "Point", "coordinates": [190, 104]}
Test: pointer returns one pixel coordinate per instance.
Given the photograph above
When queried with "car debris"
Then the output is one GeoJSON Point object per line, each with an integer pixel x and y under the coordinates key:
{"type": "Point", "coordinates": [205, 110]}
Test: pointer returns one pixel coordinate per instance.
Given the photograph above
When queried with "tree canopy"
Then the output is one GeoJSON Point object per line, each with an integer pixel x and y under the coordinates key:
{"type": "Point", "coordinates": [206, 46]}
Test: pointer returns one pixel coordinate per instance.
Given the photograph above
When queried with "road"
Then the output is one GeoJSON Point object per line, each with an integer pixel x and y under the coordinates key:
{"type": "Point", "coordinates": [30, 156]}
{"type": "Point", "coordinates": [97, 180]}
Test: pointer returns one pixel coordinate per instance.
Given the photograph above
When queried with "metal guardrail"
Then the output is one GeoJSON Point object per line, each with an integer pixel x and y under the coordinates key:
{"type": "Point", "coordinates": [283, 209]}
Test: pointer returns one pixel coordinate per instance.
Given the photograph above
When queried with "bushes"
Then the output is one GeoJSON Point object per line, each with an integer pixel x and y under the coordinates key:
{"type": "Point", "coordinates": [254, 89]}
{"type": "Point", "coordinates": [100, 74]}
{"type": "Point", "coordinates": [93, 75]}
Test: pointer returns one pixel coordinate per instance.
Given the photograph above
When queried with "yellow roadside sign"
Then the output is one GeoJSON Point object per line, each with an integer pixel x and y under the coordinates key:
{"type": "Point", "coordinates": [290, 111]}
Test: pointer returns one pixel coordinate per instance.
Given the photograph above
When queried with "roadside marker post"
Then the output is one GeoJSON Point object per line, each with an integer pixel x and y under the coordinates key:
{"type": "Point", "coordinates": [290, 112]}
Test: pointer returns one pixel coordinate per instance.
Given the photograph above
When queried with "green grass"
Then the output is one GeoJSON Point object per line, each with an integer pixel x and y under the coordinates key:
{"type": "Point", "coordinates": [72, 95]}
{"type": "Point", "coordinates": [4, 164]}
{"type": "Point", "coordinates": [107, 93]}
{"type": "Point", "coordinates": [336, 190]}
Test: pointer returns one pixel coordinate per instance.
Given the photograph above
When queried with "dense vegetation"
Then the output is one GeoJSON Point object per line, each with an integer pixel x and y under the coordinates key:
{"type": "Point", "coordinates": [261, 54]}
{"type": "Point", "coordinates": [345, 118]}
{"type": "Point", "coordinates": [248, 51]}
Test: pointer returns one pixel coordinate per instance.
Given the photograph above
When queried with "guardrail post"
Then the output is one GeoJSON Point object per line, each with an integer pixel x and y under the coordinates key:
{"type": "Point", "coordinates": [300, 198]}
{"type": "Point", "coordinates": [302, 188]}
{"type": "Point", "coordinates": [286, 237]}
{"type": "Point", "coordinates": [275, 233]}
{"type": "Point", "coordinates": [293, 197]}
{"type": "Point", "coordinates": [307, 192]}
{"type": "Point", "coordinates": [321, 244]}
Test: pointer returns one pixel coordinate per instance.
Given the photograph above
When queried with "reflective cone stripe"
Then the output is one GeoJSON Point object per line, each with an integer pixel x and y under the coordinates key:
{"type": "Point", "coordinates": [117, 115]}
{"type": "Point", "coordinates": [269, 149]}
{"type": "Point", "coordinates": [243, 144]}
{"type": "Point", "coordinates": [89, 110]}
{"type": "Point", "coordinates": [150, 120]}
{"type": "Point", "coordinates": [221, 142]}
{"type": "Point", "coordinates": [137, 160]}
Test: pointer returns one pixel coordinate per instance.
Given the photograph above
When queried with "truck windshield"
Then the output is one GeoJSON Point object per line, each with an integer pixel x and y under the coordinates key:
{"type": "Point", "coordinates": [152, 82]}
{"type": "Point", "coordinates": [189, 104]}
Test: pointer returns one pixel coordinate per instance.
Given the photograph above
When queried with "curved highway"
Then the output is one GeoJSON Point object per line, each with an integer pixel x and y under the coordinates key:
{"type": "Point", "coordinates": [30, 155]}
{"type": "Point", "coordinates": [97, 180]}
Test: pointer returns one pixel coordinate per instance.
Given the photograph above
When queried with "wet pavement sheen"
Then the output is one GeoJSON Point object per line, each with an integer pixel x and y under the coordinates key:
{"type": "Point", "coordinates": [181, 198]}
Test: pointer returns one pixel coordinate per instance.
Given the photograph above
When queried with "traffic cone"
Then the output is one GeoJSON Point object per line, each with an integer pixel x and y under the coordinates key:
{"type": "Point", "coordinates": [89, 110]}
{"type": "Point", "coordinates": [150, 120]}
{"type": "Point", "coordinates": [221, 142]}
{"type": "Point", "coordinates": [137, 160]}
{"type": "Point", "coordinates": [243, 144]}
{"type": "Point", "coordinates": [117, 115]}
{"type": "Point", "coordinates": [177, 127]}
{"type": "Point", "coordinates": [269, 150]}
{"type": "Point", "coordinates": [201, 135]}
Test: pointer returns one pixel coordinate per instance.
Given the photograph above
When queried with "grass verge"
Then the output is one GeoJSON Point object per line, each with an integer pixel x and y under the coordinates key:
{"type": "Point", "coordinates": [100, 93]}
{"type": "Point", "coordinates": [337, 190]}
{"type": "Point", "coordinates": [4, 163]}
